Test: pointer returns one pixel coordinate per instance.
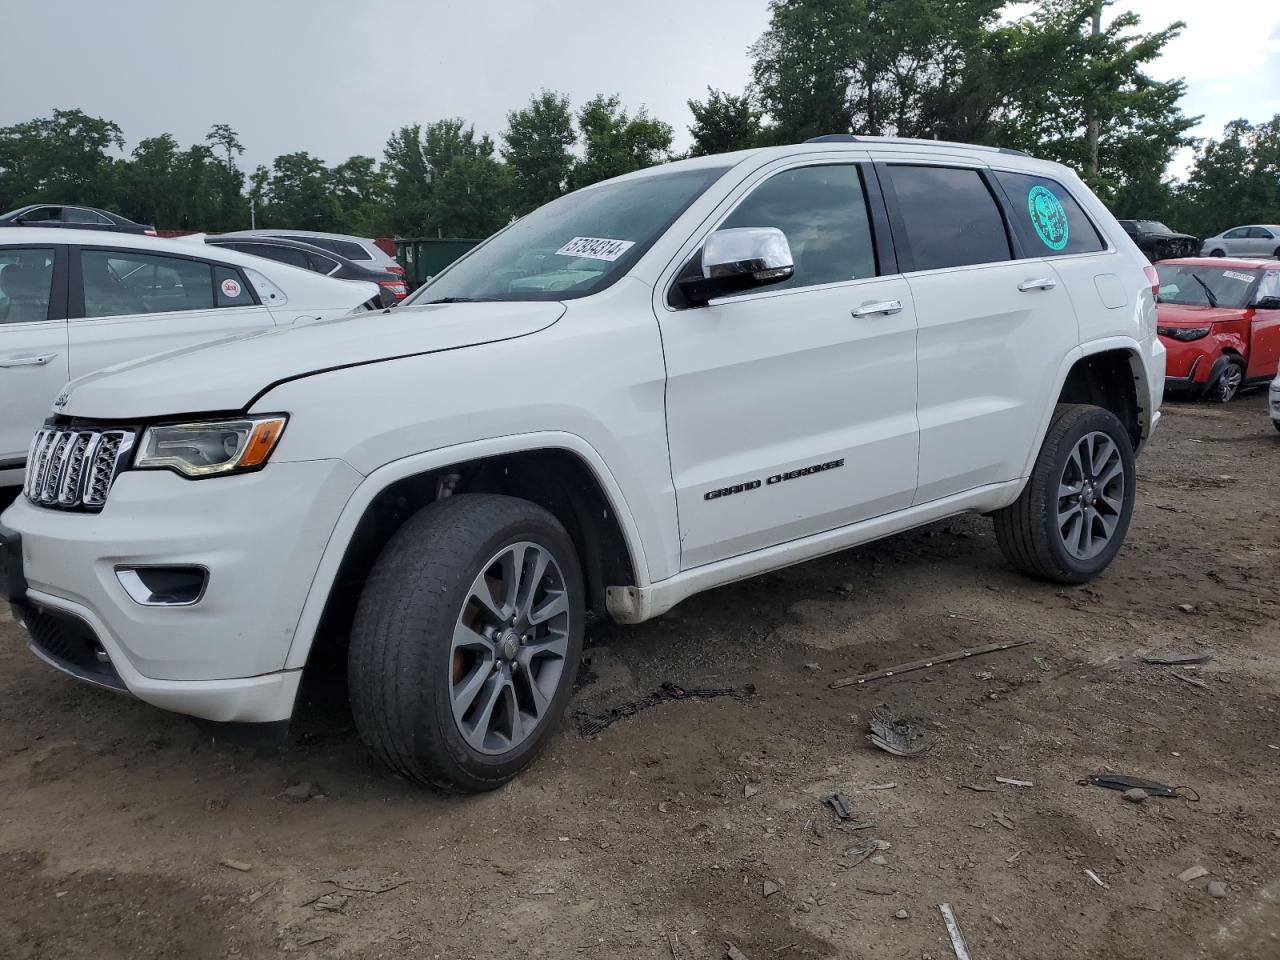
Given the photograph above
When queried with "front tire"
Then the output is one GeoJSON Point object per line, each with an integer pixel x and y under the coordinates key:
{"type": "Point", "coordinates": [466, 642]}
{"type": "Point", "coordinates": [1217, 253]}
{"type": "Point", "coordinates": [1227, 386]}
{"type": "Point", "coordinates": [1071, 518]}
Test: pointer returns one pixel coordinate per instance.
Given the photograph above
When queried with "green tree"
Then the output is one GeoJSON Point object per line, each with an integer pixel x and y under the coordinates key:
{"type": "Point", "coordinates": [724, 122]}
{"type": "Point", "coordinates": [538, 150]}
{"type": "Point", "coordinates": [299, 194]}
{"type": "Point", "coordinates": [443, 180]}
{"type": "Point", "coordinates": [1234, 180]}
{"type": "Point", "coordinates": [1097, 78]}
{"type": "Point", "coordinates": [616, 143]}
{"type": "Point", "coordinates": [876, 67]}
{"type": "Point", "coordinates": [359, 188]}
{"type": "Point", "coordinates": [63, 158]}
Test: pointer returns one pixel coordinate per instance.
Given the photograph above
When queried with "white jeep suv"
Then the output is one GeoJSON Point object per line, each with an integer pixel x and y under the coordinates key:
{"type": "Point", "coordinates": [650, 387]}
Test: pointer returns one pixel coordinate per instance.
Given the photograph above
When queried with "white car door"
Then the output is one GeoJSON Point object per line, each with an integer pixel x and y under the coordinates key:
{"type": "Point", "coordinates": [993, 329]}
{"type": "Point", "coordinates": [1262, 242]}
{"type": "Point", "coordinates": [791, 408]}
{"type": "Point", "coordinates": [33, 347]}
{"type": "Point", "coordinates": [130, 303]}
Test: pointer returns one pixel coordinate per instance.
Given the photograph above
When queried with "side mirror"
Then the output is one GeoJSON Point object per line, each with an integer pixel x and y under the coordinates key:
{"type": "Point", "coordinates": [738, 259]}
{"type": "Point", "coordinates": [1268, 303]}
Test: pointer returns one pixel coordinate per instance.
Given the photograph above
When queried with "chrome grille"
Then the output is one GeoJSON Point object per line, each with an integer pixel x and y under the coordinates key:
{"type": "Point", "coordinates": [75, 468]}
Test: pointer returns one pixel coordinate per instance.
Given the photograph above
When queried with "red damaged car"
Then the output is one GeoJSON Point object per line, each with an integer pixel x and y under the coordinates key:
{"type": "Point", "coordinates": [1220, 321]}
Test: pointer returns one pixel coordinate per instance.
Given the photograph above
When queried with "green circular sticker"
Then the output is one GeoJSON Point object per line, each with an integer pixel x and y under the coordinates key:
{"type": "Point", "coordinates": [1048, 217]}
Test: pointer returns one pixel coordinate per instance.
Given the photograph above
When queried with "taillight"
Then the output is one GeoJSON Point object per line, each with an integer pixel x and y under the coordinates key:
{"type": "Point", "coordinates": [150, 232]}
{"type": "Point", "coordinates": [397, 269]}
{"type": "Point", "coordinates": [395, 287]}
{"type": "Point", "coordinates": [1154, 277]}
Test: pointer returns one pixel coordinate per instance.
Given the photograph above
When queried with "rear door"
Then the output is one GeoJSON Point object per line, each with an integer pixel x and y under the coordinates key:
{"type": "Point", "coordinates": [1262, 242]}
{"type": "Point", "coordinates": [33, 343]}
{"type": "Point", "coordinates": [130, 303]}
{"type": "Point", "coordinates": [995, 322]}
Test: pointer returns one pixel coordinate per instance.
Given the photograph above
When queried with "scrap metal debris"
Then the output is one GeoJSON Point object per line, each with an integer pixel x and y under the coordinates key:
{"type": "Point", "coordinates": [1009, 781]}
{"type": "Point", "coordinates": [840, 804]}
{"type": "Point", "coordinates": [1192, 680]}
{"type": "Point", "coordinates": [363, 881]}
{"type": "Point", "coordinates": [953, 931]}
{"type": "Point", "coordinates": [1095, 878]}
{"type": "Point", "coordinates": [898, 735]}
{"type": "Point", "coordinates": [1177, 659]}
{"type": "Point", "coordinates": [592, 724]}
{"type": "Point", "coordinates": [930, 662]}
{"type": "Point", "coordinates": [1123, 783]}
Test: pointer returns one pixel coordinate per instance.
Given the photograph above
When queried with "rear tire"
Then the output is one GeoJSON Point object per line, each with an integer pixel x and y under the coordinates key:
{"type": "Point", "coordinates": [466, 642]}
{"type": "Point", "coordinates": [1071, 518]}
{"type": "Point", "coordinates": [1217, 253]}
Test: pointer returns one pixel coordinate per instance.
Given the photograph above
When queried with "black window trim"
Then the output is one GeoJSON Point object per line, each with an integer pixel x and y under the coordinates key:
{"type": "Point", "coordinates": [57, 309]}
{"type": "Point", "coordinates": [882, 243]}
{"type": "Point", "coordinates": [75, 285]}
{"type": "Point", "coordinates": [1107, 245]}
{"type": "Point", "coordinates": [902, 244]}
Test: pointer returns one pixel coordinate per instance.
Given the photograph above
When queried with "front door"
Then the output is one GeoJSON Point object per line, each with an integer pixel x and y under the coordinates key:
{"type": "Point", "coordinates": [1264, 332]}
{"type": "Point", "coordinates": [33, 348]}
{"type": "Point", "coordinates": [791, 409]}
{"type": "Point", "coordinates": [128, 304]}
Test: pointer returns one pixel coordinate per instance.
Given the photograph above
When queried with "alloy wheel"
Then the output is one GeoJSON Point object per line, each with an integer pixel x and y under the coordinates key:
{"type": "Point", "coordinates": [1091, 494]}
{"type": "Point", "coordinates": [509, 648]}
{"type": "Point", "coordinates": [1229, 383]}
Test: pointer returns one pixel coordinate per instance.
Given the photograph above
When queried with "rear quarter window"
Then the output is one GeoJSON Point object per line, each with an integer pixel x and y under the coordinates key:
{"type": "Point", "coordinates": [1048, 220]}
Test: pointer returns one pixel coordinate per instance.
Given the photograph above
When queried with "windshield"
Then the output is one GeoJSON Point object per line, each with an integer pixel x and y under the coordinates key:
{"type": "Point", "coordinates": [573, 246]}
{"type": "Point", "coordinates": [1205, 286]}
{"type": "Point", "coordinates": [1152, 226]}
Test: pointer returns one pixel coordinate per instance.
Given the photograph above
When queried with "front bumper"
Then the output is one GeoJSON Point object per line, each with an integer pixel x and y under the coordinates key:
{"type": "Point", "coordinates": [260, 537]}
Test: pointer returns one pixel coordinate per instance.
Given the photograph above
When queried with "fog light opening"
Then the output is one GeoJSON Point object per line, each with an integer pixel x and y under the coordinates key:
{"type": "Point", "coordinates": [164, 586]}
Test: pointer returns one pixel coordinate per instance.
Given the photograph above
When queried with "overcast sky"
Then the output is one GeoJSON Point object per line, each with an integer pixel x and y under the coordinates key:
{"type": "Point", "coordinates": [335, 77]}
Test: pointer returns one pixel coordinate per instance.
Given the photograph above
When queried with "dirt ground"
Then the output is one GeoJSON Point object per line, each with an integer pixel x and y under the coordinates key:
{"type": "Point", "coordinates": [703, 821]}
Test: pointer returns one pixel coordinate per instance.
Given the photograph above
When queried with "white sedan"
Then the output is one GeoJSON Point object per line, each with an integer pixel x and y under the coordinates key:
{"type": "Point", "coordinates": [75, 301]}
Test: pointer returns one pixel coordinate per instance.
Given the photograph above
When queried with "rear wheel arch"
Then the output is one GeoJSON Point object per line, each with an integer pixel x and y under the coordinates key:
{"type": "Point", "coordinates": [1116, 380]}
{"type": "Point", "coordinates": [555, 478]}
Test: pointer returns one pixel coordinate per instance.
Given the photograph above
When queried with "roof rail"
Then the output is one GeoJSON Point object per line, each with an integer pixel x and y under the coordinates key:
{"type": "Point", "coordinates": [834, 138]}
{"type": "Point", "coordinates": [1013, 152]}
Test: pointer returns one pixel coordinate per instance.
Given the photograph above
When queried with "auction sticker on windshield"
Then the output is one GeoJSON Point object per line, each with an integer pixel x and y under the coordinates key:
{"type": "Point", "coordinates": [1247, 278]}
{"type": "Point", "coordinates": [595, 248]}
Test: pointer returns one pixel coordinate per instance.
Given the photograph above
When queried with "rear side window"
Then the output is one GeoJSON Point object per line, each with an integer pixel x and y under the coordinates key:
{"type": "Point", "coordinates": [230, 288]}
{"type": "Point", "coordinates": [80, 215]}
{"type": "Point", "coordinates": [321, 264]}
{"type": "Point", "coordinates": [949, 217]}
{"type": "Point", "coordinates": [119, 283]}
{"type": "Point", "coordinates": [26, 282]}
{"type": "Point", "coordinates": [1048, 219]}
{"type": "Point", "coordinates": [352, 251]}
{"type": "Point", "coordinates": [823, 212]}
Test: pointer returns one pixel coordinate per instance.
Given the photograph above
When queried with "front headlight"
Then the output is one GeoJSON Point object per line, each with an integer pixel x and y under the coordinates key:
{"type": "Point", "coordinates": [1184, 333]}
{"type": "Point", "coordinates": [211, 448]}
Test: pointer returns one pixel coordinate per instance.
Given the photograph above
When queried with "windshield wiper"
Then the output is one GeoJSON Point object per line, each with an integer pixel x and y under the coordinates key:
{"type": "Point", "coordinates": [465, 300]}
{"type": "Point", "coordinates": [1213, 301]}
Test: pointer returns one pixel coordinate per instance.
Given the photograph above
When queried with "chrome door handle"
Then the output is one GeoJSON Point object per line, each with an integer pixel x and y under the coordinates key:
{"type": "Point", "coordinates": [883, 307]}
{"type": "Point", "coordinates": [1044, 283]}
{"type": "Point", "coordinates": [33, 361]}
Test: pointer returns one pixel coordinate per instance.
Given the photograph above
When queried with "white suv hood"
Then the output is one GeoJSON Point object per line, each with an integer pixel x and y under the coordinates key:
{"type": "Point", "coordinates": [227, 374]}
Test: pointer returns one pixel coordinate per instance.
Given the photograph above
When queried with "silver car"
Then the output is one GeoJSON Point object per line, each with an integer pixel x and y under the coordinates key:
{"type": "Point", "coordinates": [1255, 240]}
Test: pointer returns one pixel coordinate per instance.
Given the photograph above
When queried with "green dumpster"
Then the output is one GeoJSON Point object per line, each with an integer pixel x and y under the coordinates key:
{"type": "Point", "coordinates": [424, 257]}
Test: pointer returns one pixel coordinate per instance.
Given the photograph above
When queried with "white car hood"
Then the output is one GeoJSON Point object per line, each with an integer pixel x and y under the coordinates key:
{"type": "Point", "coordinates": [227, 375]}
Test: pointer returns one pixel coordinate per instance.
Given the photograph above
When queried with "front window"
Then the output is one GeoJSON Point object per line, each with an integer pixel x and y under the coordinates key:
{"type": "Point", "coordinates": [1192, 286]}
{"type": "Point", "coordinates": [573, 246]}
